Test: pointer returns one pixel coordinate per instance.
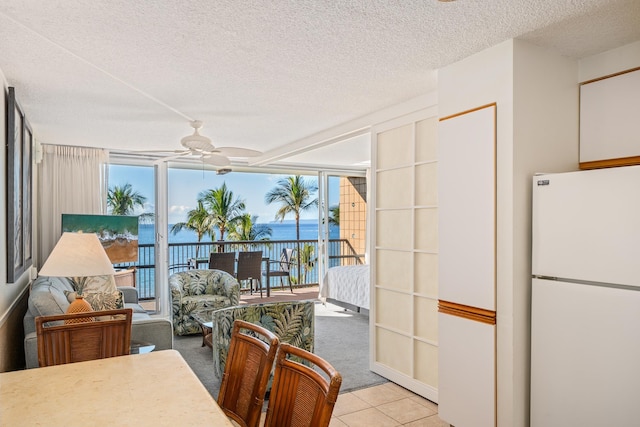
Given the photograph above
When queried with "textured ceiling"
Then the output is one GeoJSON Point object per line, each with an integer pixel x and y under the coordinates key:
{"type": "Point", "coordinates": [130, 74]}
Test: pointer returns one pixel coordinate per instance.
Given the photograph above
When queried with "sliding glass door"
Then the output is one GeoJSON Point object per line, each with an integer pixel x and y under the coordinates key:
{"type": "Point", "coordinates": [132, 191]}
{"type": "Point", "coordinates": [342, 220]}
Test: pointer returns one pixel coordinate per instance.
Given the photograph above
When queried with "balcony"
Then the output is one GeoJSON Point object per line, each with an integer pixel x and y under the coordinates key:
{"type": "Point", "coordinates": [183, 256]}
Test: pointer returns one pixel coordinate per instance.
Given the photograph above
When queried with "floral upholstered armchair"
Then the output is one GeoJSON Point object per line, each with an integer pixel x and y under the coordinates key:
{"type": "Point", "coordinates": [200, 290]}
{"type": "Point", "coordinates": [292, 322]}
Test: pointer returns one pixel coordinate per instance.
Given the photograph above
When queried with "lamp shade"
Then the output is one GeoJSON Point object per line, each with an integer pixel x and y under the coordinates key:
{"type": "Point", "coordinates": [77, 255]}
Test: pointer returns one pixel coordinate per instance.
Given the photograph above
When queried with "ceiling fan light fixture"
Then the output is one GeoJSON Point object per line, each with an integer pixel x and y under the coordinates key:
{"type": "Point", "coordinates": [199, 146]}
{"type": "Point", "coordinates": [197, 141]}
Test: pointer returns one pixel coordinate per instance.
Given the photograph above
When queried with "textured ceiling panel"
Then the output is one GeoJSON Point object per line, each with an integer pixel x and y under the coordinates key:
{"type": "Point", "coordinates": [261, 75]}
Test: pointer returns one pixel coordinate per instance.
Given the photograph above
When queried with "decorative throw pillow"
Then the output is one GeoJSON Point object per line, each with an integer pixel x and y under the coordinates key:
{"type": "Point", "coordinates": [105, 301]}
{"type": "Point", "coordinates": [101, 293]}
{"type": "Point", "coordinates": [100, 301]}
{"type": "Point", "coordinates": [71, 295]}
{"type": "Point", "coordinates": [93, 284]}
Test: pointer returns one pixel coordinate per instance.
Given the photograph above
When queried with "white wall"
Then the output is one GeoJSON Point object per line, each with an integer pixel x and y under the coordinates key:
{"type": "Point", "coordinates": [545, 123]}
{"type": "Point", "coordinates": [610, 62]}
{"type": "Point", "coordinates": [9, 292]}
{"type": "Point", "coordinates": [537, 104]}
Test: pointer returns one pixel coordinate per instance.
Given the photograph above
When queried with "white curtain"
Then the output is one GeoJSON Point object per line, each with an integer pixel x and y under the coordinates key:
{"type": "Point", "coordinates": [70, 180]}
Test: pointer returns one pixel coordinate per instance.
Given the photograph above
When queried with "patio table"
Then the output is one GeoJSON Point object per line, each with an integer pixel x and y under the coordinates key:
{"type": "Point", "coordinates": [197, 262]}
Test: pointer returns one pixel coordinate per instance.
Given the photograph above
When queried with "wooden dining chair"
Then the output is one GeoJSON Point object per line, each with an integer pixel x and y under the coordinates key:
{"type": "Point", "coordinates": [225, 261]}
{"type": "Point", "coordinates": [250, 268]}
{"type": "Point", "coordinates": [60, 342]}
{"type": "Point", "coordinates": [301, 396]}
{"type": "Point", "coordinates": [246, 373]}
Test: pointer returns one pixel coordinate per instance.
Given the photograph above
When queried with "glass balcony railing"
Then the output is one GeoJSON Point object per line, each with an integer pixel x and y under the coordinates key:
{"type": "Point", "coordinates": [184, 256]}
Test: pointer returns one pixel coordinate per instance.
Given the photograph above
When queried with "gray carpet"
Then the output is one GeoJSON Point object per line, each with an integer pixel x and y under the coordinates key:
{"type": "Point", "coordinates": [341, 338]}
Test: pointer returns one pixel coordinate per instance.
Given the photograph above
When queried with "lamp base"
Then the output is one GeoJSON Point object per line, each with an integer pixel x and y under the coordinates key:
{"type": "Point", "coordinates": [79, 305]}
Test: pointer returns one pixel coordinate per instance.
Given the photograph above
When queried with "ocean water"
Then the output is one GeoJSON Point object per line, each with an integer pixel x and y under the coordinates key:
{"type": "Point", "coordinates": [146, 276]}
{"type": "Point", "coordinates": [281, 231]}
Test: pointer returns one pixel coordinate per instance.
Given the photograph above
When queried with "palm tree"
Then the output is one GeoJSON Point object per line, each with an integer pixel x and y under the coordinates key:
{"type": "Point", "coordinates": [294, 195]}
{"type": "Point", "coordinates": [308, 260]}
{"type": "Point", "coordinates": [247, 229]}
{"type": "Point", "coordinates": [334, 215]}
{"type": "Point", "coordinates": [198, 221]}
{"type": "Point", "coordinates": [123, 200]}
{"type": "Point", "coordinates": [223, 210]}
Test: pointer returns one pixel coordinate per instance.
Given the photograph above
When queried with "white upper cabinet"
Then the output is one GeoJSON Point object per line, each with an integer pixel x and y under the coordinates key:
{"type": "Point", "coordinates": [610, 120]}
{"type": "Point", "coordinates": [467, 208]}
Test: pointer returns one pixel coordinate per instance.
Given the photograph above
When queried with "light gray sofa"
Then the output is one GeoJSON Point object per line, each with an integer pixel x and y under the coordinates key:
{"type": "Point", "coordinates": [47, 298]}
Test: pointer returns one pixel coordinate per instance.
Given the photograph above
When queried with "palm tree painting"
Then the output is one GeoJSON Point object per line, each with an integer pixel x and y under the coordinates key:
{"type": "Point", "coordinates": [294, 195]}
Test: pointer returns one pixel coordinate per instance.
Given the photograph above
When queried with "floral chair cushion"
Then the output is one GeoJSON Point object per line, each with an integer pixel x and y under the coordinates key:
{"type": "Point", "coordinates": [199, 290]}
{"type": "Point", "coordinates": [292, 322]}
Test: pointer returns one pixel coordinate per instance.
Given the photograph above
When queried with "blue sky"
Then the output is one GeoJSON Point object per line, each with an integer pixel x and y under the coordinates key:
{"type": "Point", "coordinates": [185, 185]}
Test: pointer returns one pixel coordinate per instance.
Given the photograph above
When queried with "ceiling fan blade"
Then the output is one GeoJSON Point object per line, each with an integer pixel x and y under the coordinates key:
{"type": "Point", "coordinates": [238, 152]}
{"type": "Point", "coordinates": [197, 144]}
{"type": "Point", "coordinates": [216, 160]}
{"type": "Point", "coordinates": [176, 156]}
{"type": "Point", "coordinates": [181, 152]}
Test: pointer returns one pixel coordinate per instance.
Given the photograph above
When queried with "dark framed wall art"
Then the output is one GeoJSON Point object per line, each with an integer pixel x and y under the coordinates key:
{"type": "Point", "coordinates": [19, 190]}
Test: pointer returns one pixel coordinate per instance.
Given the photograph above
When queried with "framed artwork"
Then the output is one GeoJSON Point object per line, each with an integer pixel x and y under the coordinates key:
{"type": "Point", "coordinates": [19, 190]}
{"type": "Point", "coordinates": [117, 233]}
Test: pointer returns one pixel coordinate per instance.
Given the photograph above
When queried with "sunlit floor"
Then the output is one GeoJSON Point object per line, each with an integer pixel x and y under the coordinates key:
{"type": "Point", "coordinates": [379, 406]}
{"type": "Point", "coordinates": [385, 405]}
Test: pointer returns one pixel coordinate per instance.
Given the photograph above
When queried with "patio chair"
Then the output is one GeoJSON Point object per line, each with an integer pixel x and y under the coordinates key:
{"type": "Point", "coordinates": [246, 373]}
{"type": "Point", "coordinates": [282, 268]}
{"type": "Point", "coordinates": [249, 268]}
{"type": "Point", "coordinates": [60, 342]}
{"type": "Point", "coordinates": [225, 261]}
{"type": "Point", "coordinates": [292, 380]}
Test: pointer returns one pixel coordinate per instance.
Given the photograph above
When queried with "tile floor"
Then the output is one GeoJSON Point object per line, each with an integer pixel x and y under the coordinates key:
{"type": "Point", "coordinates": [385, 405]}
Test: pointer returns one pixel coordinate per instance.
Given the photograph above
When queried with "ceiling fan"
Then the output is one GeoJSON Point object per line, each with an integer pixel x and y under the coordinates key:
{"type": "Point", "coordinates": [196, 145]}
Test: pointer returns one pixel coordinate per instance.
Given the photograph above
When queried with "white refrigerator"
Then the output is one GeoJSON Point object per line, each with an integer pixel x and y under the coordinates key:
{"type": "Point", "coordinates": [585, 313]}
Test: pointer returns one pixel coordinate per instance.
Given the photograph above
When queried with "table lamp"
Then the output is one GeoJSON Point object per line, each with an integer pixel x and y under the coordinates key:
{"type": "Point", "coordinates": [77, 256]}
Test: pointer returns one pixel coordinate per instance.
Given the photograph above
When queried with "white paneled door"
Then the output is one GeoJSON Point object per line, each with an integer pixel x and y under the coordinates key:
{"type": "Point", "coordinates": [467, 267]}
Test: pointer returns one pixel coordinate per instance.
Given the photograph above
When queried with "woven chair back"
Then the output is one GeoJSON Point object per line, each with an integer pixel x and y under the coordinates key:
{"type": "Point", "coordinates": [60, 343]}
{"type": "Point", "coordinates": [225, 261]}
{"type": "Point", "coordinates": [300, 395]}
{"type": "Point", "coordinates": [246, 372]}
{"type": "Point", "coordinates": [250, 268]}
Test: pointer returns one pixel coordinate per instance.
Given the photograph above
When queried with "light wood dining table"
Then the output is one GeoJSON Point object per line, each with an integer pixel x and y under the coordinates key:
{"type": "Point", "coordinates": [153, 389]}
